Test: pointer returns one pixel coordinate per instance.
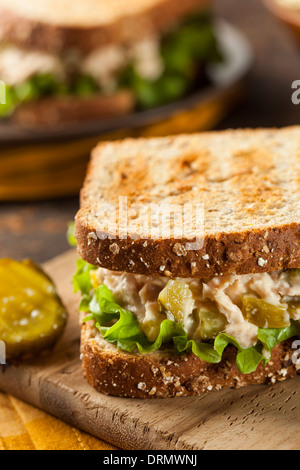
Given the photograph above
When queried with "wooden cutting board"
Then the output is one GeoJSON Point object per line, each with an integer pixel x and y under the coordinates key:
{"type": "Point", "coordinates": [256, 417]}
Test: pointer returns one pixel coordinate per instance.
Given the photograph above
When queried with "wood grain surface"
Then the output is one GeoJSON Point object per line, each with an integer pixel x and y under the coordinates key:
{"type": "Point", "coordinates": [256, 417]}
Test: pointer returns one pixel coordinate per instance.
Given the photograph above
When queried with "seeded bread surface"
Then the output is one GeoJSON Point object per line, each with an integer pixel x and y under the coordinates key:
{"type": "Point", "coordinates": [166, 374]}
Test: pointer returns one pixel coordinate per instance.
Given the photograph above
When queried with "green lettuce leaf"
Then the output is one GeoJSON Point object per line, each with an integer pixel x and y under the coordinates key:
{"type": "Point", "coordinates": [70, 234]}
{"type": "Point", "coordinates": [204, 351]}
{"type": "Point", "coordinates": [272, 336]}
{"type": "Point", "coordinates": [247, 359]}
{"type": "Point", "coordinates": [84, 305]}
{"type": "Point", "coordinates": [126, 333]}
{"type": "Point", "coordinates": [121, 328]}
{"type": "Point", "coordinates": [11, 101]}
{"type": "Point", "coordinates": [33, 89]}
{"type": "Point", "coordinates": [184, 52]}
{"type": "Point", "coordinates": [46, 85]}
{"type": "Point", "coordinates": [82, 279]}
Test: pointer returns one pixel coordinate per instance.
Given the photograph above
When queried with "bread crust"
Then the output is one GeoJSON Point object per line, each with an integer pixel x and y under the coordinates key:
{"type": "Point", "coordinates": [72, 109]}
{"type": "Point", "coordinates": [238, 253]}
{"type": "Point", "coordinates": [167, 374]}
{"type": "Point", "coordinates": [259, 233]}
{"type": "Point", "coordinates": [30, 33]}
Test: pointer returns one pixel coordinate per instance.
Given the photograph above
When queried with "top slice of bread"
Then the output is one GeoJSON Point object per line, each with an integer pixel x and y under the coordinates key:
{"type": "Point", "coordinates": [57, 25]}
{"type": "Point", "coordinates": [247, 180]}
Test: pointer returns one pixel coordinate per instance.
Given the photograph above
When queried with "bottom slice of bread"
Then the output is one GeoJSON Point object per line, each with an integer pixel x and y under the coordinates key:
{"type": "Point", "coordinates": [166, 373]}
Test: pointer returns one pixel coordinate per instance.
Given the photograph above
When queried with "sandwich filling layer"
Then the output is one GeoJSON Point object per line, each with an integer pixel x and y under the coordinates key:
{"type": "Point", "coordinates": [157, 70]}
{"type": "Point", "coordinates": [233, 304]}
{"type": "Point", "coordinates": [253, 312]}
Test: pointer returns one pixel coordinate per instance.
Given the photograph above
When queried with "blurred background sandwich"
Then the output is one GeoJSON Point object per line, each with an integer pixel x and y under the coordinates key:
{"type": "Point", "coordinates": [65, 61]}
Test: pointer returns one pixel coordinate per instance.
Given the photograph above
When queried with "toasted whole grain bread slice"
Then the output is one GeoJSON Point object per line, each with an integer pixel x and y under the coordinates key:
{"type": "Point", "coordinates": [166, 373]}
{"type": "Point", "coordinates": [248, 181]}
{"type": "Point", "coordinates": [73, 109]}
{"type": "Point", "coordinates": [57, 25]}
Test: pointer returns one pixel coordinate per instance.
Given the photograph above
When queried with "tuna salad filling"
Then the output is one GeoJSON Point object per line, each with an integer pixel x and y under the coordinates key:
{"type": "Point", "coordinates": [157, 70]}
{"type": "Point", "coordinates": [252, 312]}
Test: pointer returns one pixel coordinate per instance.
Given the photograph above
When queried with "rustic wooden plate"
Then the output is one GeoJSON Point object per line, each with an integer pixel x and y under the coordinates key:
{"type": "Point", "coordinates": [255, 417]}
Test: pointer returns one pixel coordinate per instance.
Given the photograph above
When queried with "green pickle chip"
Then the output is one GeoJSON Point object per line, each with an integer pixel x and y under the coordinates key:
{"type": "Point", "coordinates": [210, 324]}
{"type": "Point", "coordinates": [32, 316]}
{"type": "Point", "coordinates": [177, 298]}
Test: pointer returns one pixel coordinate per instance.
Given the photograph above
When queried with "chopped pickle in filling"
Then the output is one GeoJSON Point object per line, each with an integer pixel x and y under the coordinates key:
{"type": "Point", "coordinates": [157, 70]}
{"type": "Point", "coordinates": [237, 305]}
{"type": "Point", "coordinates": [177, 299]}
{"type": "Point", "coordinates": [262, 314]}
{"type": "Point", "coordinates": [211, 323]}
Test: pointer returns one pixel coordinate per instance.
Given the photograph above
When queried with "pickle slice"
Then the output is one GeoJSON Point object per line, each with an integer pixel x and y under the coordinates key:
{"type": "Point", "coordinates": [293, 274]}
{"type": "Point", "coordinates": [265, 315]}
{"type": "Point", "coordinates": [177, 298]}
{"type": "Point", "coordinates": [32, 316]}
{"type": "Point", "coordinates": [210, 325]}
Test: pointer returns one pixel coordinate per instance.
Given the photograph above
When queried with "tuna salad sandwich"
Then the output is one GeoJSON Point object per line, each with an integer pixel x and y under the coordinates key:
{"type": "Point", "coordinates": [65, 60]}
{"type": "Point", "coordinates": [189, 264]}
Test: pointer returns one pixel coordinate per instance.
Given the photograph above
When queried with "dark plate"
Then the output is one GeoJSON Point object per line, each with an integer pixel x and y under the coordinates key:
{"type": "Point", "coordinates": [238, 61]}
